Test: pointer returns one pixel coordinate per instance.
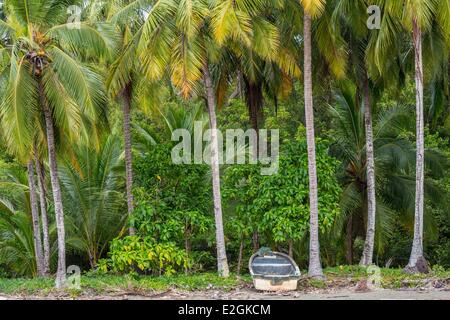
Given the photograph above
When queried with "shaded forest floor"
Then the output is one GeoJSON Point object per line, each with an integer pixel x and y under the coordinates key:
{"type": "Point", "coordinates": [340, 283]}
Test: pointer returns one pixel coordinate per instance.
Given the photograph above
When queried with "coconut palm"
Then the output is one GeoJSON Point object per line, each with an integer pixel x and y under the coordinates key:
{"type": "Point", "coordinates": [42, 188]}
{"type": "Point", "coordinates": [350, 15]}
{"type": "Point", "coordinates": [171, 36]}
{"type": "Point", "coordinates": [312, 9]}
{"type": "Point", "coordinates": [416, 17]}
{"type": "Point", "coordinates": [124, 80]}
{"type": "Point", "coordinates": [178, 37]}
{"type": "Point", "coordinates": [38, 249]}
{"type": "Point", "coordinates": [395, 160]}
{"type": "Point", "coordinates": [47, 81]}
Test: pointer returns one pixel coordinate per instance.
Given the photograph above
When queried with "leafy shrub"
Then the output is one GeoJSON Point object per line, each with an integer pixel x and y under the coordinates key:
{"type": "Point", "coordinates": [173, 203]}
{"type": "Point", "coordinates": [135, 253]}
{"type": "Point", "coordinates": [278, 205]}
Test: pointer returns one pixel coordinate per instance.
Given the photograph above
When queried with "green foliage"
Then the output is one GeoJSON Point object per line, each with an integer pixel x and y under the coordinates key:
{"type": "Point", "coordinates": [93, 189]}
{"type": "Point", "coordinates": [278, 205]}
{"type": "Point", "coordinates": [16, 244]}
{"type": "Point", "coordinates": [17, 254]}
{"type": "Point", "coordinates": [253, 50]}
{"type": "Point", "coordinates": [134, 253]}
{"type": "Point", "coordinates": [173, 201]}
{"type": "Point", "coordinates": [393, 126]}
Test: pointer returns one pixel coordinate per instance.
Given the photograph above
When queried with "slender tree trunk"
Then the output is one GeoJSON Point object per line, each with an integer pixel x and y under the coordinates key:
{"type": "Point", "coordinates": [241, 254]}
{"type": "Point", "coordinates": [127, 97]}
{"type": "Point", "coordinates": [187, 241]}
{"type": "Point", "coordinates": [255, 241]}
{"type": "Point", "coordinates": [315, 266]}
{"type": "Point", "coordinates": [367, 257]}
{"type": "Point", "coordinates": [56, 190]}
{"type": "Point", "coordinates": [222, 262]}
{"type": "Point", "coordinates": [291, 248]}
{"type": "Point", "coordinates": [417, 247]}
{"type": "Point", "coordinates": [44, 214]}
{"type": "Point", "coordinates": [35, 218]}
{"type": "Point", "coordinates": [92, 261]}
{"type": "Point", "coordinates": [349, 241]}
{"type": "Point", "coordinates": [254, 100]}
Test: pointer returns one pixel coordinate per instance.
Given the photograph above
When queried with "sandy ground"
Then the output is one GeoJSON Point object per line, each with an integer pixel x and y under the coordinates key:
{"type": "Point", "coordinates": [248, 294]}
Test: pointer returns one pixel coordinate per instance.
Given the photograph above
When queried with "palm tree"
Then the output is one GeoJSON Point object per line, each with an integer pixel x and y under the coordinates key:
{"type": "Point", "coordinates": [181, 35]}
{"type": "Point", "coordinates": [395, 161]}
{"type": "Point", "coordinates": [42, 188]}
{"type": "Point", "coordinates": [416, 17]}
{"type": "Point", "coordinates": [47, 80]}
{"type": "Point", "coordinates": [259, 59]}
{"type": "Point", "coordinates": [356, 34]}
{"type": "Point", "coordinates": [172, 36]}
{"type": "Point", "coordinates": [92, 187]}
{"type": "Point", "coordinates": [124, 79]}
{"type": "Point", "coordinates": [311, 9]}
{"type": "Point", "coordinates": [35, 218]}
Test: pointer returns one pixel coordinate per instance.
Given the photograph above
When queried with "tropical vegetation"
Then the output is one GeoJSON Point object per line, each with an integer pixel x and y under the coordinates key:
{"type": "Point", "coordinates": [94, 95]}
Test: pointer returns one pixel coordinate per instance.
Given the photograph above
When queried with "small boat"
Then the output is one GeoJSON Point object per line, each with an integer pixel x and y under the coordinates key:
{"type": "Point", "coordinates": [273, 271]}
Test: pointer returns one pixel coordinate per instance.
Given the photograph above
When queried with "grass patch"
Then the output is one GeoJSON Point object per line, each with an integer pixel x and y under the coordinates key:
{"type": "Point", "coordinates": [97, 284]}
{"type": "Point", "coordinates": [390, 278]}
{"type": "Point", "coordinates": [101, 284]}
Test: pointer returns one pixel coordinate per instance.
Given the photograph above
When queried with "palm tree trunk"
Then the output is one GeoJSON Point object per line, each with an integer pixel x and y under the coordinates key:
{"type": "Point", "coordinates": [35, 218]}
{"type": "Point", "coordinates": [315, 266]}
{"type": "Point", "coordinates": [255, 241]}
{"type": "Point", "coordinates": [254, 100]}
{"type": "Point", "coordinates": [367, 257]}
{"type": "Point", "coordinates": [222, 262]}
{"type": "Point", "coordinates": [417, 247]}
{"type": "Point", "coordinates": [56, 190]}
{"type": "Point", "coordinates": [349, 241]}
{"type": "Point", "coordinates": [127, 96]}
{"type": "Point", "coordinates": [291, 248]}
{"type": "Point", "coordinates": [44, 215]}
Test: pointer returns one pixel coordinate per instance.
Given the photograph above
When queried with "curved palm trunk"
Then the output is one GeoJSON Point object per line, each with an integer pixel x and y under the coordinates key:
{"type": "Point", "coordinates": [315, 266]}
{"type": "Point", "coordinates": [417, 257]}
{"type": "Point", "coordinates": [367, 257]}
{"type": "Point", "coordinates": [222, 262]}
{"type": "Point", "coordinates": [44, 215]}
{"type": "Point", "coordinates": [56, 190]}
{"type": "Point", "coordinates": [35, 218]}
{"type": "Point", "coordinates": [127, 96]}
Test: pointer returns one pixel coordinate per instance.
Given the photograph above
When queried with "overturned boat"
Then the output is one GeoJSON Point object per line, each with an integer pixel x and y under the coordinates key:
{"type": "Point", "coordinates": [273, 271]}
